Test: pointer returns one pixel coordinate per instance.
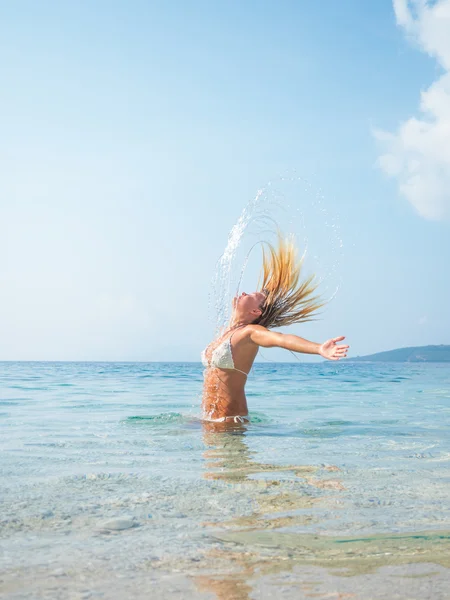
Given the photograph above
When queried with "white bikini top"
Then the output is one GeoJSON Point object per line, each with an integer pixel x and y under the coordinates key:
{"type": "Point", "coordinates": [221, 357]}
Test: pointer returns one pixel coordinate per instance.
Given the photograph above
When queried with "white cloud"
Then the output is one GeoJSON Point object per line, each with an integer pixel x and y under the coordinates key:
{"type": "Point", "coordinates": [418, 154]}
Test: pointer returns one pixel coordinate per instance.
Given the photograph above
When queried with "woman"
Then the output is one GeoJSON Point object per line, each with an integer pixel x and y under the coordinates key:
{"type": "Point", "coordinates": [282, 300]}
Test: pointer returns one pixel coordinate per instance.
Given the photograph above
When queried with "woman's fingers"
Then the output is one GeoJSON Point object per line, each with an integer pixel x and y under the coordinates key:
{"type": "Point", "coordinates": [334, 350]}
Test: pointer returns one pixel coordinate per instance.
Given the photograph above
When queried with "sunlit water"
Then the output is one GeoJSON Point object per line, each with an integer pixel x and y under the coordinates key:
{"type": "Point", "coordinates": [340, 484]}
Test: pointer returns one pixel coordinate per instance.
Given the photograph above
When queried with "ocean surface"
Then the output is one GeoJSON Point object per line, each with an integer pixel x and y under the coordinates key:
{"type": "Point", "coordinates": [112, 487]}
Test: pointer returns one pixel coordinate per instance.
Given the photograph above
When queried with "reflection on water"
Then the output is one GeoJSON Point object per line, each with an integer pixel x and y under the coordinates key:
{"type": "Point", "coordinates": [226, 588]}
{"type": "Point", "coordinates": [268, 541]}
{"type": "Point", "coordinates": [228, 457]}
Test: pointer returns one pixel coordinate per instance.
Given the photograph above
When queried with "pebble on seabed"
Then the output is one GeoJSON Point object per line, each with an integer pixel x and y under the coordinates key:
{"type": "Point", "coordinates": [118, 524]}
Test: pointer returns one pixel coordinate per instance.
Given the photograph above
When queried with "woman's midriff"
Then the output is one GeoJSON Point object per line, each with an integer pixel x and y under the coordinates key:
{"type": "Point", "coordinates": [223, 394]}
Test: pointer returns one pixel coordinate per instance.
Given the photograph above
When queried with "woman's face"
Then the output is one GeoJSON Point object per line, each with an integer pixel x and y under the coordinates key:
{"type": "Point", "coordinates": [249, 303]}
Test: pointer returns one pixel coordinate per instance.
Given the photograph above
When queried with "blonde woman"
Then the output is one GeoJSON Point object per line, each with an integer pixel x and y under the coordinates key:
{"type": "Point", "coordinates": [283, 299]}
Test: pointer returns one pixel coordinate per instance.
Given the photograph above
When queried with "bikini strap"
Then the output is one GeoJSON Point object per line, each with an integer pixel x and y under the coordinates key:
{"type": "Point", "coordinates": [243, 372]}
{"type": "Point", "coordinates": [231, 350]}
{"type": "Point", "coordinates": [238, 327]}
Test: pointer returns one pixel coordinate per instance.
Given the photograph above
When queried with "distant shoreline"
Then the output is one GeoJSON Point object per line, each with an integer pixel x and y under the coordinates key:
{"type": "Point", "coordinates": [415, 354]}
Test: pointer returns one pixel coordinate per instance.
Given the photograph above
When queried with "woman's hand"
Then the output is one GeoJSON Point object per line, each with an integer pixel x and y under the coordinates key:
{"type": "Point", "coordinates": [331, 350]}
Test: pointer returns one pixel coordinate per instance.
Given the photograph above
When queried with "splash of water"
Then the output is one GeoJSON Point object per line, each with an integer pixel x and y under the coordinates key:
{"type": "Point", "coordinates": [293, 206]}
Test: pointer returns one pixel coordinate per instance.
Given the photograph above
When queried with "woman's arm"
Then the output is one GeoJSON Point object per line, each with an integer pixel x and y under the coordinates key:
{"type": "Point", "coordinates": [269, 339]}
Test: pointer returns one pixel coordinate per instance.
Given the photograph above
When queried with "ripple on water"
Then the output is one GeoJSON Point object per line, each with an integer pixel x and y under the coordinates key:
{"type": "Point", "coordinates": [161, 419]}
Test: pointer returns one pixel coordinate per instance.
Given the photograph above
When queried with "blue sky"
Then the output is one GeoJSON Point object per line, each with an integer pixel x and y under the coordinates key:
{"type": "Point", "coordinates": [133, 134]}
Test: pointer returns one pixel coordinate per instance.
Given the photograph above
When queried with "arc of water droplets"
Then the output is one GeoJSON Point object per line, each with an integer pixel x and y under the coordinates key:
{"type": "Point", "coordinates": [219, 296]}
{"type": "Point", "coordinates": [221, 282]}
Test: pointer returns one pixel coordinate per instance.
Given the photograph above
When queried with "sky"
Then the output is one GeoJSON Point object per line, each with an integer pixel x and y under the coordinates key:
{"type": "Point", "coordinates": [133, 134]}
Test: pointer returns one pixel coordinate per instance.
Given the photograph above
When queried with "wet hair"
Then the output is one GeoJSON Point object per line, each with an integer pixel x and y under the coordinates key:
{"type": "Point", "coordinates": [288, 300]}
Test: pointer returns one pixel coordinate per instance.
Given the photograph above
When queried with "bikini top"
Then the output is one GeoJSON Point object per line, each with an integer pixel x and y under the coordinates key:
{"type": "Point", "coordinates": [221, 357]}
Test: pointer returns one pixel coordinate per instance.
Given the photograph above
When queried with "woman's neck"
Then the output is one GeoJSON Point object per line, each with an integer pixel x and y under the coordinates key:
{"type": "Point", "coordinates": [238, 322]}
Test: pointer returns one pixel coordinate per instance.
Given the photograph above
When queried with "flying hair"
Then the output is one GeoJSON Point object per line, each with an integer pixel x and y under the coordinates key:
{"type": "Point", "coordinates": [288, 300]}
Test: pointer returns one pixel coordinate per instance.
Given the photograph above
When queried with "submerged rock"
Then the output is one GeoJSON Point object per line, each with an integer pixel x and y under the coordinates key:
{"type": "Point", "coordinates": [119, 524]}
{"type": "Point", "coordinates": [47, 514]}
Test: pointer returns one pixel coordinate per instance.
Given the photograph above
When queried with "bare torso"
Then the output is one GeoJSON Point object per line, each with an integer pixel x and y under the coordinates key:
{"type": "Point", "coordinates": [224, 389]}
{"type": "Point", "coordinates": [230, 358]}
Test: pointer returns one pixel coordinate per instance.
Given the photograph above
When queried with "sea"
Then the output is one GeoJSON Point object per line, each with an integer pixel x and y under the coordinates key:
{"type": "Point", "coordinates": [112, 487]}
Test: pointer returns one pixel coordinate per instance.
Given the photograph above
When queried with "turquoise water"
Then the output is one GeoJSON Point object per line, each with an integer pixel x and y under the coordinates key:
{"type": "Point", "coordinates": [340, 484]}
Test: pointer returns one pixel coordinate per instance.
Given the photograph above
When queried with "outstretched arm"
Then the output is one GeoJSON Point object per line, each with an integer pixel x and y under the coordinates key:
{"type": "Point", "coordinates": [269, 339]}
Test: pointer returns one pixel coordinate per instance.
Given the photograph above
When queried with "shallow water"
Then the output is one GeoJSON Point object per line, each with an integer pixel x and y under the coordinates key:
{"type": "Point", "coordinates": [340, 485]}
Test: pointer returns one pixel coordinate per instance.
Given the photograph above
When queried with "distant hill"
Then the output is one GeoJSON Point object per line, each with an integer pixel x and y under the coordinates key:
{"type": "Point", "coordinates": [417, 354]}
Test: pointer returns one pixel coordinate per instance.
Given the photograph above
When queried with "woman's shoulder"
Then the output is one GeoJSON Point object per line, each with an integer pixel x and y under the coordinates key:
{"type": "Point", "coordinates": [252, 328]}
{"type": "Point", "coordinates": [255, 327]}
